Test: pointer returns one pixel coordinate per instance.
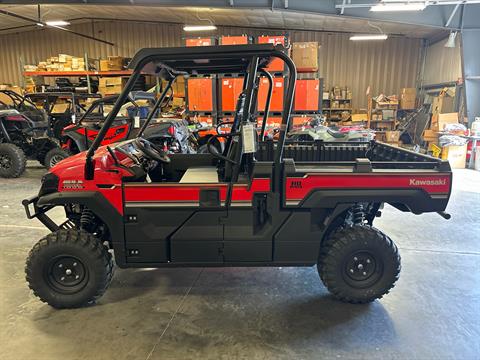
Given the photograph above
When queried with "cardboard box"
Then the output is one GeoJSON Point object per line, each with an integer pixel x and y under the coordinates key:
{"type": "Point", "coordinates": [359, 117]}
{"type": "Point", "coordinates": [440, 120]}
{"type": "Point", "coordinates": [430, 136]}
{"type": "Point", "coordinates": [62, 58]}
{"type": "Point", "coordinates": [305, 55]}
{"type": "Point", "coordinates": [456, 155]}
{"type": "Point", "coordinates": [392, 136]}
{"type": "Point", "coordinates": [444, 103]}
{"type": "Point", "coordinates": [388, 114]}
{"type": "Point", "coordinates": [113, 63]}
{"type": "Point", "coordinates": [111, 85]}
{"type": "Point", "coordinates": [178, 102]}
{"type": "Point", "coordinates": [408, 98]}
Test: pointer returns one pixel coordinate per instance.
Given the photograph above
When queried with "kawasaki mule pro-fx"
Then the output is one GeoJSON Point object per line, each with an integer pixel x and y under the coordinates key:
{"type": "Point", "coordinates": [259, 203]}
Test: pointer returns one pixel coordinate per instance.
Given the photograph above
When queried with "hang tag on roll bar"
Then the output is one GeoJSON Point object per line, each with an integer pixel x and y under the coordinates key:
{"type": "Point", "coordinates": [74, 118]}
{"type": "Point", "coordinates": [248, 138]}
{"type": "Point", "coordinates": [136, 122]}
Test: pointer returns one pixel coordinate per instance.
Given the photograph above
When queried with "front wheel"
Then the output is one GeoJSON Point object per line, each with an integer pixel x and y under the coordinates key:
{"type": "Point", "coordinates": [12, 161]}
{"type": "Point", "coordinates": [69, 269]}
{"type": "Point", "coordinates": [54, 156]}
{"type": "Point", "coordinates": [359, 264]}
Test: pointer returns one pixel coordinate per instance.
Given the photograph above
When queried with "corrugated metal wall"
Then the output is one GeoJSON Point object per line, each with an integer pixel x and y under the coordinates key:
{"type": "Point", "coordinates": [442, 64]}
{"type": "Point", "coordinates": [385, 66]}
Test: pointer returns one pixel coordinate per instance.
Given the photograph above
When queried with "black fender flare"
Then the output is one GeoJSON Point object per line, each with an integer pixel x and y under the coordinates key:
{"type": "Point", "coordinates": [416, 201]}
{"type": "Point", "coordinates": [102, 208]}
{"type": "Point", "coordinates": [78, 139]}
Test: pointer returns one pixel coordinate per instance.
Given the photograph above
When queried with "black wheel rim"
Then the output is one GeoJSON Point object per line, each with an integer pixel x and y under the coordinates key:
{"type": "Point", "coordinates": [66, 274]}
{"type": "Point", "coordinates": [56, 159]}
{"type": "Point", "coordinates": [5, 162]}
{"type": "Point", "coordinates": [362, 269]}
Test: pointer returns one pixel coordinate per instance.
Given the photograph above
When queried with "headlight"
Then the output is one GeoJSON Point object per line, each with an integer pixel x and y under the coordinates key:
{"type": "Point", "coordinates": [49, 184]}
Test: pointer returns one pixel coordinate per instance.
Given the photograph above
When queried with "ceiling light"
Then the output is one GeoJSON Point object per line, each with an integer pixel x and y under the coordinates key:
{"type": "Point", "coordinates": [385, 7]}
{"type": "Point", "coordinates": [57, 23]}
{"type": "Point", "coordinates": [40, 24]}
{"type": "Point", "coordinates": [369, 37]}
{"type": "Point", "coordinates": [199, 27]}
{"type": "Point", "coordinates": [451, 40]}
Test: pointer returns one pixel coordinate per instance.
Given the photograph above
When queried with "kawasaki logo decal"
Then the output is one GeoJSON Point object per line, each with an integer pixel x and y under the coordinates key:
{"type": "Point", "coordinates": [427, 182]}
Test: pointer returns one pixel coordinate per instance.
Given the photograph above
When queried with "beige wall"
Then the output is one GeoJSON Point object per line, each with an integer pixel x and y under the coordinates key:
{"type": "Point", "coordinates": [442, 64]}
{"type": "Point", "coordinates": [386, 66]}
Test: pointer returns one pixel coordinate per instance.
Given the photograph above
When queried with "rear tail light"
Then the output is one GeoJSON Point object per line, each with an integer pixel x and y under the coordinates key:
{"type": "Point", "coordinates": [14, 118]}
{"type": "Point", "coordinates": [171, 130]}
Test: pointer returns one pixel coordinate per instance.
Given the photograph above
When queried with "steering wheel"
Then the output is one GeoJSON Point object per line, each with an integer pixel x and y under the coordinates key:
{"type": "Point", "coordinates": [152, 151]}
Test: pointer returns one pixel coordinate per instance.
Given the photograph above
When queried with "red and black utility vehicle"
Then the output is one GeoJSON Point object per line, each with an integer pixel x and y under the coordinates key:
{"type": "Point", "coordinates": [259, 203]}
{"type": "Point", "coordinates": [172, 134]}
{"type": "Point", "coordinates": [62, 108]}
{"type": "Point", "coordinates": [23, 134]}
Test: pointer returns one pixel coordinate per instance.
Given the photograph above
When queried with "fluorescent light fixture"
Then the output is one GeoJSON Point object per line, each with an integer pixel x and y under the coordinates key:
{"type": "Point", "coordinates": [40, 24]}
{"type": "Point", "coordinates": [385, 7]}
{"type": "Point", "coordinates": [57, 23]}
{"type": "Point", "coordinates": [369, 37]}
{"type": "Point", "coordinates": [199, 27]}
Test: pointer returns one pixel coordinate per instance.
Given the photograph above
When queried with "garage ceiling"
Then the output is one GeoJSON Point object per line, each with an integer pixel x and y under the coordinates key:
{"type": "Point", "coordinates": [260, 18]}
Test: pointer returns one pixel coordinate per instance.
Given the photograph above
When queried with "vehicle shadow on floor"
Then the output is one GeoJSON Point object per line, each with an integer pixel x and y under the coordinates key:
{"type": "Point", "coordinates": [267, 307]}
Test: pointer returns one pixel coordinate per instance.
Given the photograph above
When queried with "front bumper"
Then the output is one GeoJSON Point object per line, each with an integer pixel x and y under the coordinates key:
{"type": "Point", "coordinates": [33, 210]}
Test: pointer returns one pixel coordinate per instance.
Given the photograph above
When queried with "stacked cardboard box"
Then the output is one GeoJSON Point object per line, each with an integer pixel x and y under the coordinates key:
{"type": "Point", "coordinates": [111, 85]}
{"type": "Point", "coordinates": [112, 63]}
{"type": "Point", "coordinates": [437, 125]}
{"type": "Point", "coordinates": [444, 102]}
{"type": "Point", "coordinates": [456, 155]}
{"type": "Point", "coordinates": [305, 56]}
{"type": "Point", "coordinates": [62, 62]}
{"type": "Point", "coordinates": [341, 93]}
{"type": "Point", "coordinates": [407, 98]}
{"type": "Point", "coordinates": [392, 137]}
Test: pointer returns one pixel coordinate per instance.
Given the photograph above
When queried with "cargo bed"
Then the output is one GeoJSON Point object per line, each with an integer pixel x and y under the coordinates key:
{"type": "Point", "coordinates": [345, 154]}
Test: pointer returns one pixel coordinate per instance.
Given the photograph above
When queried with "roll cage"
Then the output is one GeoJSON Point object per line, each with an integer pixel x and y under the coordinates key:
{"type": "Point", "coordinates": [168, 63]}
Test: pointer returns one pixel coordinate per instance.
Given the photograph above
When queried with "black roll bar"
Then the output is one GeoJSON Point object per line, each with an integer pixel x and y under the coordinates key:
{"type": "Point", "coordinates": [156, 106]}
{"type": "Point", "coordinates": [252, 77]}
{"type": "Point", "coordinates": [267, 103]}
{"type": "Point", "coordinates": [226, 52]}
{"type": "Point", "coordinates": [89, 164]}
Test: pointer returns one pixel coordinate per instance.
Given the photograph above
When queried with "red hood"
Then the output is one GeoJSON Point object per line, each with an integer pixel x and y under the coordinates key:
{"type": "Point", "coordinates": [74, 166]}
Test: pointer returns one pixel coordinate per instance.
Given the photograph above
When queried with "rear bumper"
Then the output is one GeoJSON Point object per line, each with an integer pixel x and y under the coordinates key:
{"type": "Point", "coordinates": [33, 210]}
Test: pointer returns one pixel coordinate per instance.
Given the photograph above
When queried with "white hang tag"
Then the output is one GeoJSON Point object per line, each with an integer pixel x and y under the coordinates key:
{"type": "Point", "coordinates": [136, 122]}
{"type": "Point", "coordinates": [74, 118]}
{"type": "Point", "coordinates": [248, 139]}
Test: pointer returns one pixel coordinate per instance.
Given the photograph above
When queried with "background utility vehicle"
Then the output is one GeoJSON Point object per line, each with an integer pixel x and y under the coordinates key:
{"type": "Point", "coordinates": [62, 108]}
{"type": "Point", "coordinates": [255, 204]}
{"type": "Point", "coordinates": [171, 134]}
{"type": "Point", "coordinates": [23, 134]}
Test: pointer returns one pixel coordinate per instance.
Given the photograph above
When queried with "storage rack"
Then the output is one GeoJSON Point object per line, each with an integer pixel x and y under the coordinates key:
{"type": "Point", "coordinates": [381, 126]}
{"type": "Point", "coordinates": [87, 73]}
{"type": "Point", "coordinates": [332, 111]}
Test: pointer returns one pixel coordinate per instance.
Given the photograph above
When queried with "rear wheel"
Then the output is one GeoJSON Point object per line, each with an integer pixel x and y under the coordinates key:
{"type": "Point", "coordinates": [359, 264]}
{"type": "Point", "coordinates": [69, 268]}
{"type": "Point", "coordinates": [42, 154]}
{"type": "Point", "coordinates": [54, 156]}
{"type": "Point", "coordinates": [12, 161]}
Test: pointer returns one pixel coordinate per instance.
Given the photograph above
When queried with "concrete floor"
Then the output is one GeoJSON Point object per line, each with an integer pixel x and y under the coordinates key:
{"type": "Point", "coordinates": [256, 313]}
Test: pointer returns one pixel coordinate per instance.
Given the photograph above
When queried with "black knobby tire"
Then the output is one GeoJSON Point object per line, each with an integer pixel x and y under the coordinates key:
{"type": "Point", "coordinates": [359, 264]}
{"type": "Point", "coordinates": [12, 161]}
{"type": "Point", "coordinates": [42, 154]}
{"type": "Point", "coordinates": [54, 156]}
{"type": "Point", "coordinates": [69, 269]}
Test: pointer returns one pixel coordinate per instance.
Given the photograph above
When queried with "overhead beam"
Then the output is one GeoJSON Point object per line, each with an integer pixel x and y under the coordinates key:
{"type": "Point", "coordinates": [434, 15]}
